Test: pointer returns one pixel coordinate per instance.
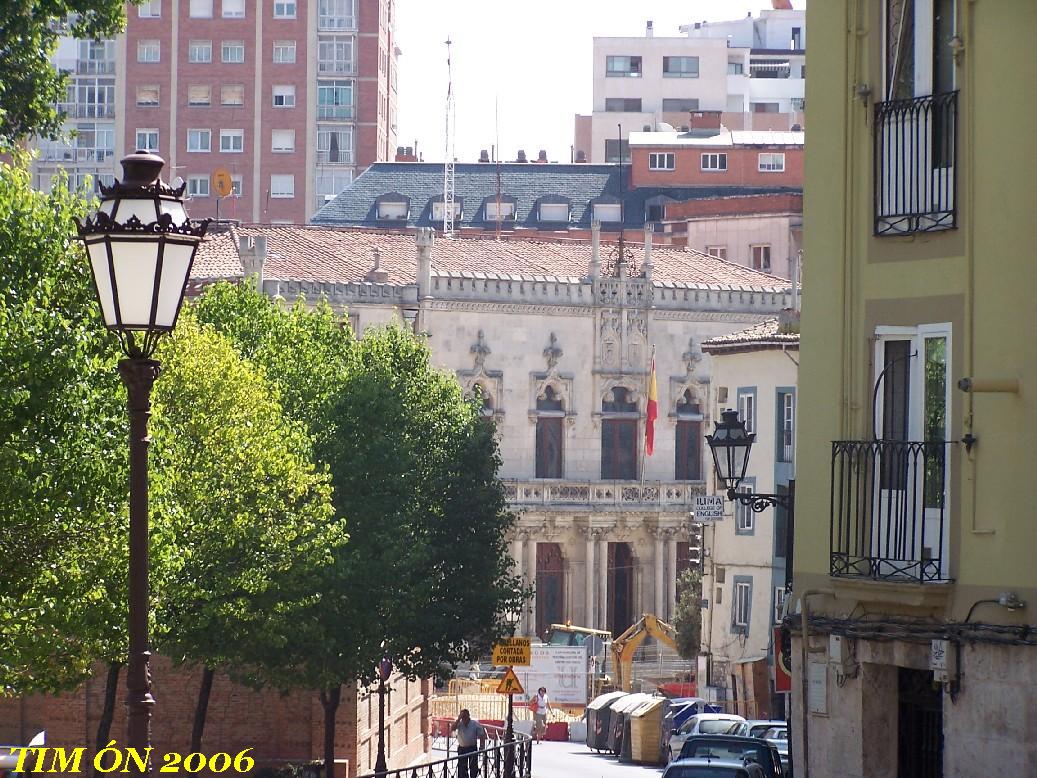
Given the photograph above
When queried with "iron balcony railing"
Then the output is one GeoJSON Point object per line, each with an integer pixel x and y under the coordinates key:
{"type": "Point", "coordinates": [888, 510]}
{"type": "Point", "coordinates": [499, 759]}
{"type": "Point", "coordinates": [916, 144]}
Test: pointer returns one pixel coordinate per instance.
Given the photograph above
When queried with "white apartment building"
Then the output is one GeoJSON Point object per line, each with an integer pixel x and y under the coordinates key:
{"type": "Point", "coordinates": [743, 585]}
{"type": "Point", "coordinates": [753, 70]}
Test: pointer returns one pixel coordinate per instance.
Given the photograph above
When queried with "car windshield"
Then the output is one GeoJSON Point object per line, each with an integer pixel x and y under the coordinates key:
{"type": "Point", "coordinates": [716, 727]}
{"type": "Point", "coordinates": [757, 730]}
{"type": "Point", "coordinates": [735, 752]}
{"type": "Point", "coordinates": [776, 733]}
{"type": "Point", "coordinates": [703, 771]}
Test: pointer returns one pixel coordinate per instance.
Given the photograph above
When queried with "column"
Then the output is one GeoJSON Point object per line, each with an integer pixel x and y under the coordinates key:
{"type": "Point", "coordinates": [603, 580]}
{"type": "Point", "coordinates": [518, 548]}
{"type": "Point", "coordinates": [531, 575]}
{"type": "Point", "coordinates": [660, 573]}
{"type": "Point", "coordinates": [671, 573]}
{"type": "Point", "coordinates": [589, 612]}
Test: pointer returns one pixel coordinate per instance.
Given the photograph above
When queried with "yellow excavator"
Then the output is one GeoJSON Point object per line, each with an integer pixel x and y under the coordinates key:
{"type": "Point", "coordinates": [624, 646]}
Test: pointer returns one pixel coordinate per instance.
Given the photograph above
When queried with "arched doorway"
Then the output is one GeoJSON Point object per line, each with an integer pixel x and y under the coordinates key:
{"type": "Point", "coordinates": [620, 587]}
{"type": "Point", "coordinates": [550, 586]}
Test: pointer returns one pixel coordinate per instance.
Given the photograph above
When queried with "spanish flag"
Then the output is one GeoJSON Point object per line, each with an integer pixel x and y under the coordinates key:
{"type": "Point", "coordinates": [653, 411]}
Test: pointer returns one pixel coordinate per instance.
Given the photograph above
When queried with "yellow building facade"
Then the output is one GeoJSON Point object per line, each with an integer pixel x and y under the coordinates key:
{"type": "Point", "coordinates": [914, 570]}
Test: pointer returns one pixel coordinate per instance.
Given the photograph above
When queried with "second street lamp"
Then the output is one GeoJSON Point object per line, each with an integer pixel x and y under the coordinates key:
{"type": "Point", "coordinates": [512, 617]}
{"type": "Point", "coordinates": [141, 246]}
{"type": "Point", "coordinates": [384, 672]}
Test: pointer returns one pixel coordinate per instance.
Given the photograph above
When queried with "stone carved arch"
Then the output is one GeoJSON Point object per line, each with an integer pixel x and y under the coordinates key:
{"type": "Point", "coordinates": [490, 383]}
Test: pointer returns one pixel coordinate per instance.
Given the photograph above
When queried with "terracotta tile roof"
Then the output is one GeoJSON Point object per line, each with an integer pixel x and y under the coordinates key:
{"type": "Point", "coordinates": [766, 333]}
{"type": "Point", "coordinates": [344, 255]}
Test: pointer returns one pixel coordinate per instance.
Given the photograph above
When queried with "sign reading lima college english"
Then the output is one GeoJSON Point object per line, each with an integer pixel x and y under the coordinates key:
{"type": "Point", "coordinates": [708, 507]}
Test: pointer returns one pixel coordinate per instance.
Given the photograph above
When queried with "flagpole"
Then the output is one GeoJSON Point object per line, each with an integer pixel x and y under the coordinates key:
{"type": "Point", "coordinates": [644, 437]}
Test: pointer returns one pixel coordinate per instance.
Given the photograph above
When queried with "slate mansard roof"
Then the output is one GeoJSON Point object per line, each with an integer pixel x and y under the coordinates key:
{"type": "Point", "coordinates": [525, 184]}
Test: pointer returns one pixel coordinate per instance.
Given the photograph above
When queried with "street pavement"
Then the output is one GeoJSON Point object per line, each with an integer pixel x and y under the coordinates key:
{"type": "Point", "coordinates": [575, 760]}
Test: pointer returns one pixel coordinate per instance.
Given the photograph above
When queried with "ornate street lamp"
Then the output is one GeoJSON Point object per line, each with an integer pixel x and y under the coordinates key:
{"type": "Point", "coordinates": [141, 246]}
{"type": "Point", "coordinates": [730, 444]}
{"type": "Point", "coordinates": [512, 619]}
{"type": "Point", "coordinates": [384, 671]}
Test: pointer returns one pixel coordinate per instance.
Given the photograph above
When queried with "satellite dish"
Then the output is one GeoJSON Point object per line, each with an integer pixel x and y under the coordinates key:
{"type": "Point", "coordinates": [222, 184]}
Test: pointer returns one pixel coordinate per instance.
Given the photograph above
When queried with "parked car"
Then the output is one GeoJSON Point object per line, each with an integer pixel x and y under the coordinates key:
{"type": "Point", "coordinates": [756, 727]}
{"type": "Point", "coordinates": [734, 748]}
{"type": "Point", "coordinates": [713, 768]}
{"type": "Point", "coordinates": [779, 738]}
{"type": "Point", "coordinates": [9, 761]}
{"type": "Point", "coordinates": [702, 724]}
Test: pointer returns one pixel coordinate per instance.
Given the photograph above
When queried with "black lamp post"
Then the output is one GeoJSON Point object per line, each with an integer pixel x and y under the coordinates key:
{"type": "Point", "coordinates": [141, 246]}
{"type": "Point", "coordinates": [512, 617]}
{"type": "Point", "coordinates": [384, 671]}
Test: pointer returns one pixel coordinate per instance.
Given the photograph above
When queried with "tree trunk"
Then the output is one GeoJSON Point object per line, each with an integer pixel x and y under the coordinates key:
{"type": "Point", "coordinates": [201, 709]}
{"type": "Point", "coordinates": [330, 698]}
{"type": "Point", "coordinates": [104, 726]}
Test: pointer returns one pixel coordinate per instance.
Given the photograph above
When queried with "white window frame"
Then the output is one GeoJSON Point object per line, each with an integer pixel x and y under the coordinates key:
{"type": "Point", "coordinates": [287, 144]}
{"type": "Point", "coordinates": [745, 518]}
{"type": "Point", "coordinates": [770, 162]}
{"type": "Point", "coordinates": [764, 250]}
{"type": "Point", "coordinates": [228, 144]}
{"type": "Point", "coordinates": [681, 73]}
{"type": "Point", "coordinates": [193, 186]}
{"type": "Point", "coordinates": [556, 209]}
{"type": "Point", "coordinates": [610, 213]}
{"type": "Point", "coordinates": [193, 92]}
{"type": "Point", "coordinates": [747, 411]}
{"type": "Point", "coordinates": [507, 210]}
{"type": "Point", "coordinates": [233, 13]}
{"type": "Point", "coordinates": [145, 47]}
{"type": "Point", "coordinates": [223, 94]}
{"type": "Point", "coordinates": [199, 52]}
{"type": "Point", "coordinates": [714, 162]}
{"type": "Point", "coordinates": [150, 9]}
{"type": "Point", "coordinates": [148, 132]}
{"type": "Point", "coordinates": [720, 252]}
{"type": "Point", "coordinates": [231, 47]}
{"type": "Point", "coordinates": [284, 92]}
{"type": "Point", "coordinates": [200, 133]}
{"type": "Point", "coordinates": [438, 211]}
{"type": "Point", "coordinates": [788, 426]}
{"type": "Point", "coordinates": [200, 9]}
{"type": "Point", "coordinates": [284, 52]}
{"type": "Point", "coordinates": [336, 15]}
{"type": "Point", "coordinates": [156, 89]}
{"type": "Point", "coordinates": [393, 209]}
{"type": "Point", "coordinates": [662, 160]}
{"type": "Point", "coordinates": [236, 184]}
{"type": "Point", "coordinates": [285, 9]}
{"type": "Point", "coordinates": [741, 604]}
{"type": "Point", "coordinates": [278, 188]}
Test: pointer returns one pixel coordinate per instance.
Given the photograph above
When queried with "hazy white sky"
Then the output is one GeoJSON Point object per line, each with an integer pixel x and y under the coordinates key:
{"type": "Point", "coordinates": [531, 57]}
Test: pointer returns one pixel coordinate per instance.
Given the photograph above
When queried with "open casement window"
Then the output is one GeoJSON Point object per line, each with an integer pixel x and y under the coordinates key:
{"type": "Point", "coordinates": [549, 435]}
{"type": "Point", "coordinates": [919, 58]}
{"type": "Point", "coordinates": [912, 403]}
{"type": "Point", "coordinates": [619, 436]}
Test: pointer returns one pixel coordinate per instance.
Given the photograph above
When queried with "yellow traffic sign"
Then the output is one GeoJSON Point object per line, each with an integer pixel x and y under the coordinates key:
{"type": "Point", "coordinates": [513, 651]}
{"type": "Point", "coordinates": [509, 684]}
{"type": "Point", "coordinates": [222, 184]}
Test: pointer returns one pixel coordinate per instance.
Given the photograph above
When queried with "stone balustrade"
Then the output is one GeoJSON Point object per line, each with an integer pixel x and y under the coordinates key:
{"type": "Point", "coordinates": [602, 495]}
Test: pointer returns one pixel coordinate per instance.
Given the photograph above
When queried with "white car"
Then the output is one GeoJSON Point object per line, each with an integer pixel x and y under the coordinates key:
{"type": "Point", "coordinates": [702, 724]}
{"type": "Point", "coordinates": [756, 727]}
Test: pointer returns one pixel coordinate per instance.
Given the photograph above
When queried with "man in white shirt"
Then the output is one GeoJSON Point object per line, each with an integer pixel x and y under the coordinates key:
{"type": "Point", "coordinates": [468, 734]}
{"type": "Point", "coordinates": [543, 707]}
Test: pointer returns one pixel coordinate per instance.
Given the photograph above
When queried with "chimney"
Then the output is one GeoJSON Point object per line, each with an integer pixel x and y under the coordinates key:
{"type": "Point", "coordinates": [484, 155]}
{"type": "Point", "coordinates": [405, 154]}
{"type": "Point", "coordinates": [581, 156]}
{"type": "Point", "coordinates": [424, 237]}
{"type": "Point", "coordinates": [410, 151]}
{"type": "Point", "coordinates": [595, 266]}
{"type": "Point", "coordinates": [252, 252]}
{"type": "Point", "coordinates": [376, 274]}
{"type": "Point", "coordinates": [522, 156]}
{"type": "Point", "coordinates": [649, 30]}
{"type": "Point", "coordinates": [542, 157]}
{"type": "Point", "coordinates": [649, 228]}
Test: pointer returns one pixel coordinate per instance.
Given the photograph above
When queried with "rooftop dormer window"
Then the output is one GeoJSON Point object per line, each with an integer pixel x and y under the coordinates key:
{"type": "Point", "coordinates": [554, 212]}
{"type": "Point", "coordinates": [393, 208]}
{"type": "Point", "coordinates": [507, 211]}
{"type": "Point", "coordinates": [608, 212]}
{"type": "Point", "coordinates": [438, 211]}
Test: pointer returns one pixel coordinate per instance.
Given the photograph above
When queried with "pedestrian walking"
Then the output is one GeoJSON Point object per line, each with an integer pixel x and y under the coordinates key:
{"type": "Point", "coordinates": [540, 710]}
{"type": "Point", "coordinates": [469, 733]}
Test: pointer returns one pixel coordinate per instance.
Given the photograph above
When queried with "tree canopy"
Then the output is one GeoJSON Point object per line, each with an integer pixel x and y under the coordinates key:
{"type": "Point", "coordinates": [31, 85]}
{"type": "Point", "coordinates": [688, 616]}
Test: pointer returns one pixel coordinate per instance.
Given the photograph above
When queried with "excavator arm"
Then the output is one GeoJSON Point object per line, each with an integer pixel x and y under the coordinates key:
{"type": "Point", "coordinates": [624, 646]}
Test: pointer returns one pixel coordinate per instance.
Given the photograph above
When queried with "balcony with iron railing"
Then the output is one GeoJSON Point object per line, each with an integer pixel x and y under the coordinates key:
{"type": "Point", "coordinates": [602, 495]}
{"type": "Point", "coordinates": [915, 148]}
{"type": "Point", "coordinates": [888, 510]}
{"type": "Point", "coordinates": [88, 110]}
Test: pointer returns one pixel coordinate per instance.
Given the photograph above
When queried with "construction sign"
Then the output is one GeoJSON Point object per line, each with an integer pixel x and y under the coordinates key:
{"type": "Point", "coordinates": [509, 684]}
{"type": "Point", "coordinates": [513, 651]}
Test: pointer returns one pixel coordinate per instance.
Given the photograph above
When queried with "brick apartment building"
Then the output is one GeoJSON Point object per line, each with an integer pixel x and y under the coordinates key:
{"type": "Point", "coordinates": [292, 98]}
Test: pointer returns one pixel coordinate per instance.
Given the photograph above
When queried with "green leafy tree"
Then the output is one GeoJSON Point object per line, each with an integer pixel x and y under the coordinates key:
{"type": "Point", "coordinates": [62, 449]}
{"type": "Point", "coordinates": [31, 86]}
{"type": "Point", "coordinates": [246, 515]}
{"type": "Point", "coordinates": [688, 617]}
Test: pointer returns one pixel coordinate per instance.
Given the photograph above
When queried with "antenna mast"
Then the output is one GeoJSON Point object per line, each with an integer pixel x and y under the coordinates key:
{"type": "Point", "coordinates": [448, 165]}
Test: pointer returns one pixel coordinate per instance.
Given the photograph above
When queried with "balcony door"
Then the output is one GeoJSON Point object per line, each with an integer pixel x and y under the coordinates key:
{"type": "Point", "coordinates": [911, 407]}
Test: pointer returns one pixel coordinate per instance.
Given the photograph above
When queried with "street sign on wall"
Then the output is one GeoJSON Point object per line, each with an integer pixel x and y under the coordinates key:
{"type": "Point", "coordinates": [708, 507]}
{"type": "Point", "coordinates": [562, 670]}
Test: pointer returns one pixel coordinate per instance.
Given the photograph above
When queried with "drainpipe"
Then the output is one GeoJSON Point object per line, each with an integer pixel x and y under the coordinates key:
{"type": "Point", "coordinates": [804, 612]}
